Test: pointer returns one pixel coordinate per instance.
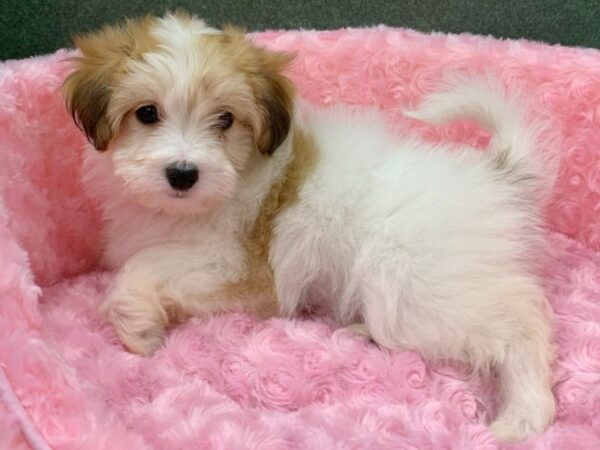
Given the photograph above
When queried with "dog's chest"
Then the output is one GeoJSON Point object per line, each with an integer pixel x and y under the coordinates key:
{"type": "Point", "coordinates": [132, 231]}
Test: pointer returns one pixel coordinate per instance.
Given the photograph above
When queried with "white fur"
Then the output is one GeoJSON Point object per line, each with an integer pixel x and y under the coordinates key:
{"type": "Point", "coordinates": [433, 250]}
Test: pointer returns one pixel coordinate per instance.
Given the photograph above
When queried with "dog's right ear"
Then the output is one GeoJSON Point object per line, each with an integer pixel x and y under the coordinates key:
{"type": "Point", "coordinates": [102, 62]}
{"type": "Point", "coordinates": [87, 92]}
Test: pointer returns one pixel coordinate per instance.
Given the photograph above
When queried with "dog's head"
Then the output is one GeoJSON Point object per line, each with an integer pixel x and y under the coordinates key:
{"type": "Point", "coordinates": [179, 107]}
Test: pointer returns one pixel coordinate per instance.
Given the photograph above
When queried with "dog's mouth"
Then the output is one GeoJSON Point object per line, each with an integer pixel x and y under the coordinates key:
{"type": "Point", "coordinates": [179, 194]}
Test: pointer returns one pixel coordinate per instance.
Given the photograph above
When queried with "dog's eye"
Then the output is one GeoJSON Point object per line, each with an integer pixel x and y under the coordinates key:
{"type": "Point", "coordinates": [147, 114]}
{"type": "Point", "coordinates": [225, 120]}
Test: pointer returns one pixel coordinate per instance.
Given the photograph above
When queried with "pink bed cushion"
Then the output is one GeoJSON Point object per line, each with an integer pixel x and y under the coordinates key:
{"type": "Point", "coordinates": [231, 381]}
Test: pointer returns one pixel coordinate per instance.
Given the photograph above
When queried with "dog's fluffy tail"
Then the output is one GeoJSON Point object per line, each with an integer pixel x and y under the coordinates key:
{"type": "Point", "coordinates": [515, 145]}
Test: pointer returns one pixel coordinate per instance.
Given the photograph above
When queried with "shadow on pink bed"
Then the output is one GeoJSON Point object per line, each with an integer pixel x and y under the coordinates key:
{"type": "Point", "coordinates": [230, 381]}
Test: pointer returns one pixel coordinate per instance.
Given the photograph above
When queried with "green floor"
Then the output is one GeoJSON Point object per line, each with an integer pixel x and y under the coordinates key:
{"type": "Point", "coordinates": [31, 27]}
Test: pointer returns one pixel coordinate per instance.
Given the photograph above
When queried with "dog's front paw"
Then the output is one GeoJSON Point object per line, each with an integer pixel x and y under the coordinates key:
{"type": "Point", "coordinates": [140, 334]}
{"type": "Point", "coordinates": [137, 316]}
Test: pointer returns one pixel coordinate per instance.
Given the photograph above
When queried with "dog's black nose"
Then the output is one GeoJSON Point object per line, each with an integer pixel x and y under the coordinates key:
{"type": "Point", "coordinates": [181, 175]}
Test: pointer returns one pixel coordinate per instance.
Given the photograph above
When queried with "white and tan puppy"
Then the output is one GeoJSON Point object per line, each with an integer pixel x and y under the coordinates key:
{"type": "Point", "coordinates": [218, 196]}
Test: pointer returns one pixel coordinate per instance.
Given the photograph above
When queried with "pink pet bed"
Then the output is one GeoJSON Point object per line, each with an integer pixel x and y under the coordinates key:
{"type": "Point", "coordinates": [232, 382]}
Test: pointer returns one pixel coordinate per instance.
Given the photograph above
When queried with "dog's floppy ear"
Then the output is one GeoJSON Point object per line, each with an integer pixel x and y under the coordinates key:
{"type": "Point", "coordinates": [274, 93]}
{"type": "Point", "coordinates": [87, 92]}
{"type": "Point", "coordinates": [103, 60]}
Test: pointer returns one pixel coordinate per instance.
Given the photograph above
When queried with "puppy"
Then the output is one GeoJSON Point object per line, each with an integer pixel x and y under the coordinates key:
{"type": "Point", "coordinates": [219, 195]}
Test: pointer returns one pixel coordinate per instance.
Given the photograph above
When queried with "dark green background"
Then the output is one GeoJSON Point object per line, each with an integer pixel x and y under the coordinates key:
{"type": "Point", "coordinates": [33, 27]}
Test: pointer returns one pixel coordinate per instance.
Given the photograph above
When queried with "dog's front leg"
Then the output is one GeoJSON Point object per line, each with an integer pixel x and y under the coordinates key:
{"type": "Point", "coordinates": [165, 284]}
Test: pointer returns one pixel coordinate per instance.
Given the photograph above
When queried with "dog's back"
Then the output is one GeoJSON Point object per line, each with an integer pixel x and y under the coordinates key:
{"type": "Point", "coordinates": [434, 250]}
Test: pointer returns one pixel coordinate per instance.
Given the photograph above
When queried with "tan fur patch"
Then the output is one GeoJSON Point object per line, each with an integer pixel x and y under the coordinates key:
{"type": "Point", "coordinates": [256, 293]}
{"type": "Point", "coordinates": [102, 64]}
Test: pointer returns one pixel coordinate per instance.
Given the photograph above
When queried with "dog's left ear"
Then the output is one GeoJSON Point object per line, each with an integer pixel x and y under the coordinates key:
{"type": "Point", "coordinates": [275, 97]}
{"type": "Point", "coordinates": [273, 91]}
